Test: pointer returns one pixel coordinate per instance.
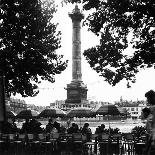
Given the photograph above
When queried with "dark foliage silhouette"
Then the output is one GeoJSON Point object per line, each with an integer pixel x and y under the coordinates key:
{"type": "Point", "coordinates": [28, 44]}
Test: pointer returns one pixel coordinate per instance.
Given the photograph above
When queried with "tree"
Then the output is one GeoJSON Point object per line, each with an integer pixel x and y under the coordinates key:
{"type": "Point", "coordinates": [114, 20]}
{"type": "Point", "coordinates": [121, 24]}
{"type": "Point", "coordinates": [28, 44]}
{"type": "Point", "coordinates": [70, 1]}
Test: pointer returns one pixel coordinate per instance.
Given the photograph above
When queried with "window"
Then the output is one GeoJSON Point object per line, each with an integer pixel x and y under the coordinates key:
{"type": "Point", "coordinates": [132, 109]}
{"type": "Point", "coordinates": [134, 112]}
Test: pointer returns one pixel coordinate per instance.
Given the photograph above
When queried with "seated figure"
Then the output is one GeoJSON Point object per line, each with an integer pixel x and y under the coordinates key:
{"type": "Point", "coordinates": [87, 131]}
{"type": "Point", "coordinates": [73, 129]}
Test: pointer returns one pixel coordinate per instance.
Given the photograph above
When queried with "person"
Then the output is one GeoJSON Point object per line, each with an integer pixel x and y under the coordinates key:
{"type": "Point", "coordinates": [77, 128]}
{"type": "Point", "coordinates": [38, 128]}
{"type": "Point", "coordinates": [14, 126]}
{"type": "Point", "coordinates": [87, 131]}
{"type": "Point", "coordinates": [49, 126]}
{"type": "Point", "coordinates": [25, 127]}
{"type": "Point", "coordinates": [73, 129]}
{"type": "Point", "coordinates": [68, 123]}
{"type": "Point", "coordinates": [35, 127]}
{"type": "Point", "coordinates": [146, 114]}
{"type": "Point", "coordinates": [63, 130]}
{"type": "Point", "coordinates": [100, 129]}
{"type": "Point", "coordinates": [56, 126]}
{"type": "Point", "coordinates": [150, 95]}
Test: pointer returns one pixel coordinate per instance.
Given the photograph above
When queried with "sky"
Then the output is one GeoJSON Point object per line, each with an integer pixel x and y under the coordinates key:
{"type": "Point", "coordinates": [98, 89]}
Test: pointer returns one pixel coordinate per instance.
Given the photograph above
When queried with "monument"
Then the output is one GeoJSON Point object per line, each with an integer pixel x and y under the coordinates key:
{"type": "Point", "coordinates": [76, 90]}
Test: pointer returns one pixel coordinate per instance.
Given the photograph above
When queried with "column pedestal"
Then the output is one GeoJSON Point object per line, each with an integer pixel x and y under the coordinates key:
{"type": "Point", "coordinates": [76, 92]}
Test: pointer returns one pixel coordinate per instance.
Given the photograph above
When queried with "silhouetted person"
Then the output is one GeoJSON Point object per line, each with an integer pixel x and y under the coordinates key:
{"type": "Point", "coordinates": [68, 123]}
{"type": "Point", "coordinates": [77, 128]}
{"type": "Point", "coordinates": [73, 129]}
{"type": "Point", "coordinates": [35, 127]}
{"type": "Point", "coordinates": [150, 95]}
{"type": "Point", "coordinates": [62, 129]}
{"type": "Point", "coordinates": [100, 129]}
{"type": "Point", "coordinates": [38, 128]}
{"type": "Point", "coordinates": [14, 126]}
{"type": "Point", "coordinates": [25, 127]}
{"type": "Point", "coordinates": [146, 114]}
{"type": "Point", "coordinates": [49, 126]}
{"type": "Point", "coordinates": [87, 131]}
{"type": "Point", "coordinates": [57, 126]}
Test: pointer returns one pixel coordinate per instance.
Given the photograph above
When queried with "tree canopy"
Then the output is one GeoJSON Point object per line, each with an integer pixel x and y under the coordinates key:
{"type": "Point", "coordinates": [126, 29]}
{"type": "Point", "coordinates": [28, 44]}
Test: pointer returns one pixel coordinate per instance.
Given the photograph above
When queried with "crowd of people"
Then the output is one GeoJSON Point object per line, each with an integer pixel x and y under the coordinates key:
{"type": "Point", "coordinates": [33, 126]}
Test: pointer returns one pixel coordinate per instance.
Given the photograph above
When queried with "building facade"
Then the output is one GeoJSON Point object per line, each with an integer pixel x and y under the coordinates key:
{"type": "Point", "coordinates": [36, 108]}
{"type": "Point", "coordinates": [134, 108]}
{"type": "Point", "coordinates": [15, 105]}
{"type": "Point", "coordinates": [58, 104]}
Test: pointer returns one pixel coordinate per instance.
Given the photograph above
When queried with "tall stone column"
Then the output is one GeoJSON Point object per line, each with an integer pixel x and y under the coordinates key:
{"type": "Point", "coordinates": [76, 90]}
{"type": "Point", "coordinates": [76, 17]}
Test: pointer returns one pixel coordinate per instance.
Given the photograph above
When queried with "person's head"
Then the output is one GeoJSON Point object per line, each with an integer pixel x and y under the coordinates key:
{"type": "Point", "coordinates": [56, 125]}
{"type": "Point", "coordinates": [86, 125]}
{"type": "Point", "coordinates": [73, 125]}
{"type": "Point", "coordinates": [150, 95]}
{"type": "Point", "coordinates": [77, 127]}
{"type": "Point", "coordinates": [145, 113]}
{"type": "Point", "coordinates": [102, 126]}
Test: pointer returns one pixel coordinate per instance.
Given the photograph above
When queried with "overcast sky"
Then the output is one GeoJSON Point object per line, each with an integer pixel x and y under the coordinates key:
{"type": "Point", "coordinates": [98, 89]}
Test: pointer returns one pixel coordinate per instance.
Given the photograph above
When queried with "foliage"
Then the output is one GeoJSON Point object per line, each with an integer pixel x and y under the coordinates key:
{"type": "Point", "coordinates": [138, 131]}
{"type": "Point", "coordinates": [28, 44]}
{"type": "Point", "coordinates": [71, 1]}
{"type": "Point", "coordinates": [121, 25]}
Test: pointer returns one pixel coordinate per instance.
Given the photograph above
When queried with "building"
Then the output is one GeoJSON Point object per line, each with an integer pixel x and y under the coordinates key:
{"type": "Point", "coordinates": [134, 108]}
{"type": "Point", "coordinates": [61, 104]}
{"type": "Point", "coordinates": [15, 105]}
{"type": "Point", "coordinates": [58, 104]}
{"type": "Point", "coordinates": [36, 108]}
